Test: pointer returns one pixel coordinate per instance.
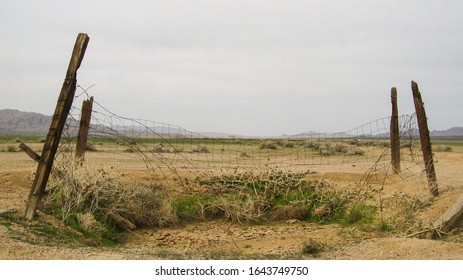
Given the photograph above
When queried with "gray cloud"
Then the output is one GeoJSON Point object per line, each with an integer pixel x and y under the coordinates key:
{"type": "Point", "coordinates": [249, 67]}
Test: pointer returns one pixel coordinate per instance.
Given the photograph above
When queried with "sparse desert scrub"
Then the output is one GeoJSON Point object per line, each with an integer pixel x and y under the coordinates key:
{"type": "Point", "coordinates": [443, 148]}
{"type": "Point", "coordinates": [201, 149]}
{"type": "Point", "coordinates": [11, 149]}
{"type": "Point", "coordinates": [284, 143]}
{"type": "Point", "coordinates": [159, 148]}
{"type": "Point", "coordinates": [312, 247]}
{"type": "Point", "coordinates": [90, 147]}
{"type": "Point", "coordinates": [269, 144]}
{"type": "Point", "coordinates": [399, 212]}
{"type": "Point", "coordinates": [327, 148]}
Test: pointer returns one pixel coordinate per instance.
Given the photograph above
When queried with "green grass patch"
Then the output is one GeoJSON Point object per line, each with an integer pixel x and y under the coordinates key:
{"type": "Point", "coordinates": [361, 215]}
{"type": "Point", "coordinates": [19, 138]}
{"type": "Point", "coordinates": [270, 194]}
{"type": "Point", "coordinates": [37, 232]}
{"type": "Point", "coordinates": [190, 208]}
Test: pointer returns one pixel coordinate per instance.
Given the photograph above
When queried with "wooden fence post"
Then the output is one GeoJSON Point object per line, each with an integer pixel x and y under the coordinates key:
{"type": "Point", "coordinates": [85, 117]}
{"type": "Point", "coordinates": [425, 140]}
{"type": "Point", "coordinates": [448, 220]}
{"type": "Point", "coordinates": [62, 109]}
{"type": "Point", "coordinates": [30, 152]}
{"type": "Point", "coordinates": [395, 138]}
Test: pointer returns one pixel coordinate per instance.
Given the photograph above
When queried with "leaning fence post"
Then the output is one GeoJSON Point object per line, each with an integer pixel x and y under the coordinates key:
{"type": "Point", "coordinates": [82, 136]}
{"type": "Point", "coordinates": [395, 138]}
{"type": "Point", "coordinates": [62, 109]}
{"type": "Point", "coordinates": [425, 140]}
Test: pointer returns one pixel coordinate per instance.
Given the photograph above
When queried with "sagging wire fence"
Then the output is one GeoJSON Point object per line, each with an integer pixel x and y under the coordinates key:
{"type": "Point", "coordinates": [173, 155]}
{"type": "Point", "coordinates": [175, 174]}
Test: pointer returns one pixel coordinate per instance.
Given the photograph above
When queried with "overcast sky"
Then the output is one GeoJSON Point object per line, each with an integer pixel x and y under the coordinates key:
{"type": "Point", "coordinates": [247, 67]}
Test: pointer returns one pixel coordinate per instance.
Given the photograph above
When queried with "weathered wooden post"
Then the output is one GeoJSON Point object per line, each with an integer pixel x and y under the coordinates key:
{"type": "Point", "coordinates": [425, 140]}
{"type": "Point", "coordinates": [448, 220]}
{"type": "Point", "coordinates": [30, 152]}
{"type": "Point", "coordinates": [56, 128]}
{"type": "Point", "coordinates": [395, 138]}
{"type": "Point", "coordinates": [85, 117]}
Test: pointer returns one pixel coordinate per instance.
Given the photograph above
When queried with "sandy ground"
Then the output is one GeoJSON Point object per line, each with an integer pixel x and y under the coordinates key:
{"type": "Point", "coordinates": [219, 239]}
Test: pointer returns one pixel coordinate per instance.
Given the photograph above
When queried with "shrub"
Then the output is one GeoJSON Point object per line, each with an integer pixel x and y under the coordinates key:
{"type": "Point", "coordinates": [80, 192]}
{"type": "Point", "coordinates": [11, 149]}
{"type": "Point", "coordinates": [201, 149]}
{"type": "Point", "coordinates": [90, 147]}
{"type": "Point", "coordinates": [326, 152]}
{"type": "Point", "coordinates": [383, 144]}
{"type": "Point", "coordinates": [442, 148]}
{"type": "Point", "coordinates": [189, 208]}
{"type": "Point", "coordinates": [130, 149]}
{"type": "Point", "coordinates": [340, 149]}
{"type": "Point", "coordinates": [361, 213]}
{"type": "Point", "coordinates": [268, 145]}
{"type": "Point", "coordinates": [288, 144]}
{"type": "Point", "coordinates": [326, 148]}
{"type": "Point", "coordinates": [294, 211]}
{"type": "Point", "coordinates": [312, 145]}
{"type": "Point", "coordinates": [312, 247]}
{"type": "Point", "coordinates": [284, 143]}
{"type": "Point", "coordinates": [271, 194]}
{"type": "Point", "coordinates": [356, 152]}
{"type": "Point", "coordinates": [158, 148]}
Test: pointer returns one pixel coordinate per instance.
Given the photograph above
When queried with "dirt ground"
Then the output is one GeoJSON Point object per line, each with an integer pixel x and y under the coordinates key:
{"type": "Point", "coordinates": [219, 239]}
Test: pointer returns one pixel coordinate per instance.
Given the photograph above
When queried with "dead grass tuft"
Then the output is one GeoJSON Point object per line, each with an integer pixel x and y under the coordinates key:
{"type": "Point", "coordinates": [295, 211]}
{"type": "Point", "coordinates": [312, 247]}
{"type": "Point", "coordinates": [84, 192]}
{"type": "Point", "coordinates": [89, 223]}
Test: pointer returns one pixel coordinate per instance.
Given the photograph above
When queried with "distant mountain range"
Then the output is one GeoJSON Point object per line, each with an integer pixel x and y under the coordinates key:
{"type": "Point", "coordinates": [15, 122]}
{"type": "Point", "coordinates": [454, 131]}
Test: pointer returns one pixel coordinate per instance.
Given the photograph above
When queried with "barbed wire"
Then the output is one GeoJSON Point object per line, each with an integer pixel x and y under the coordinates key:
{"type": "Point", "coordinates": [172, 153]}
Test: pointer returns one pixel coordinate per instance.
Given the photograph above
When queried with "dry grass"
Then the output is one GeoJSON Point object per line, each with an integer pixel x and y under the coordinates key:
{"type": "Point", "coordinates": [312, 247]}
{"type": "Point", "coordinates": [270, 194]}
{"type": "Point", "coordinates": [82, 192]}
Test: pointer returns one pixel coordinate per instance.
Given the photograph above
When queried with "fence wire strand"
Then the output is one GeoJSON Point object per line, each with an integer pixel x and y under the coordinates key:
{"type": "Point", "coordinates": [171, 154]}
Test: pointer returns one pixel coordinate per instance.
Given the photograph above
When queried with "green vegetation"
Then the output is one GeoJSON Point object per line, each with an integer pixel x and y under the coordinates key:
{"type": "Point", "coordinates": [45, 233]}
{"type": "Point", "coordinates": [19, 139]}
{"type": "Point", "coordinates": [272, 194]}
{"type": "Point", "coordinates": [312, 247]}
{"type": "Point", "coordinates": [86, 199]}
{"type": "Point", "coordinates": [327, 148]}
{"type": "Point", "coordinates": [270, 145]}
{"type": "Point", "coordinates": [362, 216]}
{"type": "Point", "coordinates": [190, 208]}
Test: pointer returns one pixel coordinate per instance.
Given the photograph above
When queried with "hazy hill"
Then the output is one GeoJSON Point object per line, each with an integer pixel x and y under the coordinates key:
{"type": "Point", "coordinates": [23, 123]}
{"type": "Point", "coordinates": [15, 122]}
{"type": "Point", "coordinates": [454, 131]}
